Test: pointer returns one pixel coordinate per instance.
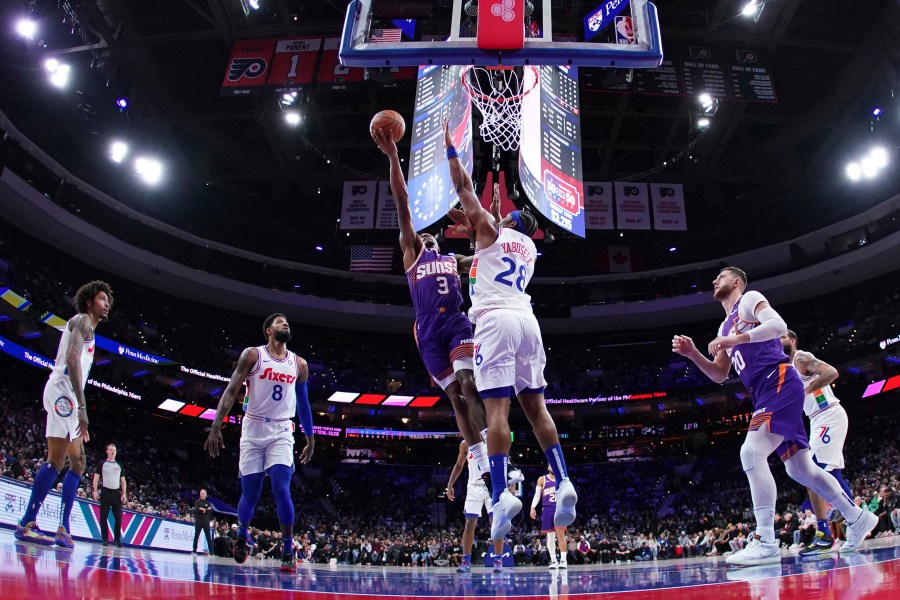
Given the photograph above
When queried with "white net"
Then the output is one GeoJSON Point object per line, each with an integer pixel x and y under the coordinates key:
{"type": "Point", "coordinates": [498, 93]}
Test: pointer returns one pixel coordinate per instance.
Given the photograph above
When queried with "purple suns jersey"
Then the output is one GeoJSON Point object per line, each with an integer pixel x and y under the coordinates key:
{"type": "Point", "coordinates": [434, 283]}
{"type": "Point", "coordinates": [548, 495]}
{"type": "Point", "coordinates": [754, 362]}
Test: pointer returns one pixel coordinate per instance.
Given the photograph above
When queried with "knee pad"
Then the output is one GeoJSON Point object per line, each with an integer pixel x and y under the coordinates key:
{"type": "Point", "coordinates": [751, 456]}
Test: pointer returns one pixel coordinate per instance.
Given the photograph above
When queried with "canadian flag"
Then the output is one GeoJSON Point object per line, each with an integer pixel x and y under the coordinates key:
{"type": "Point", "coordinates": [619, 259]}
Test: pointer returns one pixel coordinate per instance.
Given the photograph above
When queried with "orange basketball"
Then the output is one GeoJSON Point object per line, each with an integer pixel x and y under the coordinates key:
{"type": "Point", "coordinates": [390, 120]}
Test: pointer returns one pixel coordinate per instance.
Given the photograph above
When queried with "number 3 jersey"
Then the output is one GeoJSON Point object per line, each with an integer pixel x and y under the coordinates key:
{"type": "Point", "coordinates": [500, 274]}
{"type": "Point", "coordinates": [756, 363]}
{"type": "Point", "coordinates": [270, 386]}
{"type": "Point", "coordinates": [434, 283]}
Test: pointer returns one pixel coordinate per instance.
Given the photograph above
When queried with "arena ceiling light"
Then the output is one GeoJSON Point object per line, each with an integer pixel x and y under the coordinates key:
{"type": "Point", "coordinates": [118, 150]}
{"type": "Point", "coordinates": [26, 28]}
{"type": "Point", "coordinates": [58, 72]}
{"type": "Point", "coordinates": [149, 169]}
{"type": "Point", "coordinates": [292, 117]}
{"type": "Point", "coordinates": [703, 122]}
{"type": "Point", "coordinates": [753, 9]}
{"type": "Point", "coordinates": [868, 166]}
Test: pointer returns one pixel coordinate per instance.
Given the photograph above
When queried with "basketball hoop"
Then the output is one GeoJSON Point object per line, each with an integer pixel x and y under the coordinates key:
{"type": "Point", "coordinates": [498, 93]}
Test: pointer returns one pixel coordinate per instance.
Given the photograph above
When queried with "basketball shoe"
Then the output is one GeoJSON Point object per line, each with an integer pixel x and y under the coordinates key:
{"type": "Point", "coordinates": [562, 563]}
{"type": "Point", "coordinates": [566, 498]}
{"type": "Point", "coordinates": [505, 509]}
{"type": "Point", "coordinates": [858, 531]}
{"type": "Point", "coordinates": [822, 544]}
{"type": "Point", "coordinates": [30, 533]}
{"type": "Point", "coordinates": [242, 547]}
{"type": "Point", "coordinates": [756, 552]}
{"type": "Point", "coordinates": [287, 563]}
{"type": "Point", "coordinates": [63, 539]}
{"type": "Point", "coordinates": [464, 567]}
{"type": "Point", "coordinates": [554, 564]}
{"type": "Point", "coordinates": [513, 473]}
{"type": "Point", "coordinates": [498, 565]}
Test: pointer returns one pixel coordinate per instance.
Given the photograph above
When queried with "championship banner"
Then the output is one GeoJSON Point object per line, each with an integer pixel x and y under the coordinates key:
{"type": "Point", "coordinates": [668, 206]}
{"type": "Point", "coordinates": [138, 529]}
{"type": "Point", "coordinates": [294, 63]}
{"type": "Point", "coordinates": [248, 68]}
{"type": "Point", "coordinates": [598, 202]}
{"type": "Point", "coordinates": [386, 217]}
{"type": "Point", "coordinates": [358, 210]}
{"type": "Point", "coordinates": [632, 205]}
{"type": "Point", "coordinates": [332, 74]}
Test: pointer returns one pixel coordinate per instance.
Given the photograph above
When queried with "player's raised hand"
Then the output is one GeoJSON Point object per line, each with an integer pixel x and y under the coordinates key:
{"type": "Point", "coordinates": [385, 142]}
{"type": "Point", "coordinates": [683, 345]}
{"type": "Point", "coordinates": [214, 442]}
{"type": "Point", "coordinates": [448, 141]}
{"type": "Point", "coordinates": [461, 224]}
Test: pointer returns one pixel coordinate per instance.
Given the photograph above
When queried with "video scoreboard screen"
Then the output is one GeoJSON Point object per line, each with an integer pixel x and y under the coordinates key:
{"type": "Point", "coordinates": [550, 155]}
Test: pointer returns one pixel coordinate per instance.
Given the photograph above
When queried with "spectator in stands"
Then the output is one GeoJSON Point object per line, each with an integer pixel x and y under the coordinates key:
{"type": "Point", "coordinates": [643, 553]}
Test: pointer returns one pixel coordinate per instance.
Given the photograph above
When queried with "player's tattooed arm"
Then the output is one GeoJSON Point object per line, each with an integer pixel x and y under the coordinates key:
{"type": "Point", "coordinates": [80, 326]}
{"type": "Point", "coordinates": [482, 221]}
{"type": "Point", "coordinates": [495, 203]}
{"type": "Point", "coordinates": [214, 442]}
{"type": "Point", "coordinates": [807, 364]}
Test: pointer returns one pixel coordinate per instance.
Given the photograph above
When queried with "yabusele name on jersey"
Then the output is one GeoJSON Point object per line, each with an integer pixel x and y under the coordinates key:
{"type": "Point", "coordinates": [275, 376]}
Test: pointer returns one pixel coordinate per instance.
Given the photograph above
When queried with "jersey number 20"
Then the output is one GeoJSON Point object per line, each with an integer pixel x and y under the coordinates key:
{"type": "Point", "coordinates": [504, 277]}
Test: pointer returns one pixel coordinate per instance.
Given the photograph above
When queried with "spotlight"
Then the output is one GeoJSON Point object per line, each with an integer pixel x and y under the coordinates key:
{"type": "Point", "coordinates": [854, 172]}
{"type": "Point", "coordinates": [118, 151]}
{"type": "Point", "coordinates": [752, 8]}
{"type": "Point", "coordinates": [50, 65]}
{"type": "Point", "coordinates": [869, 168]}
{"type": "Point", "coordinates": [254, 4]}
{"type": "Point", "coordinates": [292, 117]}
{"type": "Point", "coordinates": [706, 101]}
{"type": "Point", "coordinates": [122, 103]}
{"type": "Point", "coordinates": [876, 112]}
{"type": "Point", "coordinates": [879, 157]}
{"type": "Point", "coordinates": [319, 248]}
{"type": "Point", "coordinates": [703, 122]}
{"type": "Point", "coordinates": [26, 28]}
{"type": "Point", "coordinates": [287, 99]}
{"type": "Point", "coordinates": [149, 169]}
{"type": "Point", "coordinates": [673, 249]}
{"type": "Point", "coordinates": [58, 72]}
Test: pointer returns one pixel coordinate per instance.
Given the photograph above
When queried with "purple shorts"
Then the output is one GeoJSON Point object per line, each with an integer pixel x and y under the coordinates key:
{"type": "Point", "coordinates": [443, 338]}
{"type": "Point", "coordinates": [779, 405]}
{"type": "Point", "coordinates": [547, 519]}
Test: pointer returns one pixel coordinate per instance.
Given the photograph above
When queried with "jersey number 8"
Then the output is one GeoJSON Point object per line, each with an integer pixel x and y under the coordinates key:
{"type": "Point", "coordinates": [277, 393]}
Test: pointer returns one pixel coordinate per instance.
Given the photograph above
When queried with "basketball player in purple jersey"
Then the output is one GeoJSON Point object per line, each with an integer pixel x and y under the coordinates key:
{"type": "Point", "coordinates": [828, 426]}
{"type": "Point", "coordinates": [276, 386]}
{"type": "Point", "coordinates": [509, 351]}
{"type": "Point", "coordinates": [545, 493]}
{"type": "Point", "coordinates": [749, 339]}
{"type": "Point", "coordinates": [67, 420]}
{"type": "Point", "coordinates": [443, 333]}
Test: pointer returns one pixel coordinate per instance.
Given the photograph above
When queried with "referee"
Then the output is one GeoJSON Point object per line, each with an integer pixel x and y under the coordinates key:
{"type": "Point", "coordinates": [111, 495]}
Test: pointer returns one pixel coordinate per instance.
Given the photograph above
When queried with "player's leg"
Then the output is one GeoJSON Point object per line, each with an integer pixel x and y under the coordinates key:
{"type": "Point", "coordinates": [117, 517]}
{"type": "Point", "coordinates": [468, 537]}
{"type": "Point", "coordinates": [551, 548]}
{"type": "Point", "coordinates": [561, 541]}
{"type": "Point", "coordinates": [529, 385]}
{"type": "Point", "coordinates": [279, 463]}
{"type": "Point", "coordinates": [77, 466]}
{"type": "Point", "coordinates": [252, 472]}
{"type": "Point", "coordinates": [498, 556]}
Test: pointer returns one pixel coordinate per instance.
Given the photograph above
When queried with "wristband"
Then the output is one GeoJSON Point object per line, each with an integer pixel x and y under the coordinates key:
{"type": "Point", "coordinates": [451, 153]}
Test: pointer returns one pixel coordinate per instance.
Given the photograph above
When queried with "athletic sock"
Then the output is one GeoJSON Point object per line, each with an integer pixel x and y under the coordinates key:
{"type": "Point", "coordinates": [479, 455]}
{"type": "Point", "coordinates": [467, 558]}
{"type": "Point", "coordinates": [765, 523]}
{"type": "Point", "coordinates": [70, 488]}
{"type": "Point", "coordinates": [822, 525]}
{"type": "Point", "coordinates": [498, 475]}
{"type": "Point", "coordinates": [43, 481]}
{"type": "Point", "coordinates": [554, 456]}
{"type": "Point", "coordinates": [836, 473]}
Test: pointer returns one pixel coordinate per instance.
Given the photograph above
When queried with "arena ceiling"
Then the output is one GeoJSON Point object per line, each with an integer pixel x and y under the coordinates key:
{"type": "Point", "coordinates": [235, 172]}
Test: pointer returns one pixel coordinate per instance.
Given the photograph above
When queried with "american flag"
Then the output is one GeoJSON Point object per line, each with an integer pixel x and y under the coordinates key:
{"type": "Point", "coordinates": [377, 36]}
{"type": "Point", "coordinates": [371, 259]}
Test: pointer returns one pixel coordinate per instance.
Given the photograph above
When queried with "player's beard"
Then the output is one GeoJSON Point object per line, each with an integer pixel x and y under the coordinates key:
{"type": "Point", "coordinates": [282, 335]}
{"type": "Point", "coordinates": [723, 292]}
{"type": "Point", "coordinates": [787, 348]}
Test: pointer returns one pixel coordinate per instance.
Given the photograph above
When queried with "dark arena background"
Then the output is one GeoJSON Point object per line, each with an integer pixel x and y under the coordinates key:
{"type": "Point", "coordinates": [211, 160]}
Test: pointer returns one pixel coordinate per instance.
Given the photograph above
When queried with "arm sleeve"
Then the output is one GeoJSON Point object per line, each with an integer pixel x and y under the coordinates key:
{"type": "Point", "coordinates": [537, 496]}
{"type": "Point", "coordinates": [771, 326]}
{"type": "Point", "coordinates": [304, 412]}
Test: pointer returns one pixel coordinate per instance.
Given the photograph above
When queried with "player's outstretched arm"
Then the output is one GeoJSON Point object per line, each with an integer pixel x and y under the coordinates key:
{"type": "Point", "coordinates": [214, 443]}
{"type": "Point", "coordinates": [716, 369]}
{"type": "Point", "coordinates": [807, 364]}
{"type": "Point", "coordinates": [457, 469]}
{"type": "Point", "coordinates": [410, 243]}
{"type": "Point", "coordinates": [495, 203]}
{"type": "Point", "coordinates": [481, 220]}
{"type": "Point", "coordinates": [304, 411]}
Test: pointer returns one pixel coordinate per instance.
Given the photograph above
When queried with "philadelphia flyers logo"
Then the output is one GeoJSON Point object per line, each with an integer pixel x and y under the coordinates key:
{"type": "Point", "coordinates": [246, 67]}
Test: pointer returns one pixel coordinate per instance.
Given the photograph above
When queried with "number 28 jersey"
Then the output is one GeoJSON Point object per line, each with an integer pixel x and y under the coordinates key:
{"type": "Point", "coordinates": [500, 274]}
{"type": "Point", "coordinates": [270, 386]}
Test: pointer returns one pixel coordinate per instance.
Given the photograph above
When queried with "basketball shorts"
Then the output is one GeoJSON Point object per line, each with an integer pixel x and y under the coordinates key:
{"type": "Point", "coordinates": [778, 404]}
{"type": "Point", "coordinates": [264, 444]}
{"type": "Point", "coordinates": [509, 353]}
{"type": "Point", "coordinates": [445, 343]}
{"type": "Point", "coordinates": [827, 433]}
{"type": "Point", "coordinates": [62, 409]}
{"type": "Point", "coordinates": [547, 513]}
{"type": "Point", "coordinates": [477, 498]}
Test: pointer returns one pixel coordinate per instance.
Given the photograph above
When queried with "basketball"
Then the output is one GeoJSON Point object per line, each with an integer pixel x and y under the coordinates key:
{"type": "Point", "coordinates": [390, 120]}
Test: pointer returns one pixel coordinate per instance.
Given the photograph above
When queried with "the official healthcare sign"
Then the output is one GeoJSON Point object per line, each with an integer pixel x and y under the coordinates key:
{"type": "Point", "coordinates": [602, 16]}
{"type": "Point", "coordinates": [138, 529]}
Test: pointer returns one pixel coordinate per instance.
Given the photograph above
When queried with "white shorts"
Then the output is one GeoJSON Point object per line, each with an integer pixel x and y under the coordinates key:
{"type": "Point", "coordinates": [509, 353]}
{"type": "Point", "coordinates": [477, 498]}
{"type": "Point", "coordinates": [265, 443]}
{"type": "Point", "coordinates": [827, 433]}
{"type": "Point", "coordinates": [61, 407]}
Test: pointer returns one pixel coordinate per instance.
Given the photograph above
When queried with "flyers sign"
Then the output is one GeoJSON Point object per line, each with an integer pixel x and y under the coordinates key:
{"type": "Point", "coordinates": [598, 211]}
{"type": "Point", "coordinates": [668, 206]}
{"type": "Point", "coordinates": [248, 68]}
{"type": "Point", "coordinates": [632, 205]}
{"type": "Point", "coordinates": [294, 63]}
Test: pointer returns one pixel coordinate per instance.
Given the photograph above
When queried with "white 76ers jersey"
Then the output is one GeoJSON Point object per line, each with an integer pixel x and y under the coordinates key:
{"type": "Point", "coordinates": [501, 272]}
{"type": "Point", "coordinates": [474, 475]}
{"type": "Point", "coordinates": [270, 386]}
{"type": "Point", "coordinates": [60, 370]}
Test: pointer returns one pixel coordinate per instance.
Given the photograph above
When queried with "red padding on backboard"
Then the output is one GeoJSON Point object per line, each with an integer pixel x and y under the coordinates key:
{"type": "Point", "coordinates": [501, 24]}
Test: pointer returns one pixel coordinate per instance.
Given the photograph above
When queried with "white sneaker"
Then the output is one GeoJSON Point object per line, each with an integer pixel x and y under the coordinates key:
{"type": "Point", "coordinates": [505, 509]}
{"type": "Point", "coordinates": [566, 498]}
{"type": "Point", "coordinates": [857, 532]}
{"type": "Point", "coordinates": [513, 475]}
{"type": "Point", "coordinates": [563, 564]}
{"type": "Point", "coordinates": [554, 565]}
{"type": "Point", "coordinates": [756, 552]}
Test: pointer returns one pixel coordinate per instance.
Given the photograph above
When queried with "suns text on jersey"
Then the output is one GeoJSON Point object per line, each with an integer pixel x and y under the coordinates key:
{"type": "Point", "coordinates": [437, 267]}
